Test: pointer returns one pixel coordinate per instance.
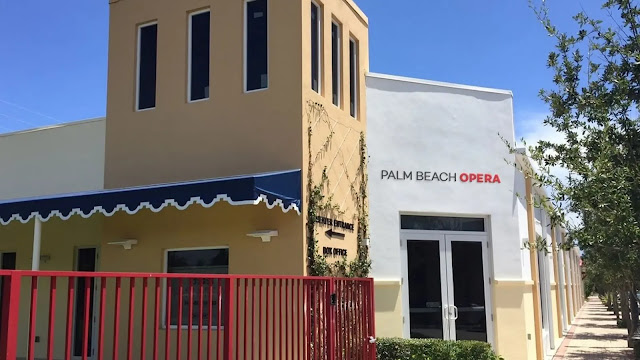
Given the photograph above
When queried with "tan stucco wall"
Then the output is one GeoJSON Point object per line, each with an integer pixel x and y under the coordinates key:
{"type": "Point", "coordinates": [232, 132]}
{"type": "Point", "coordinates": [513, 316]}
{"type": "Point", "coordinates": [220, 225]}
{"type": "Point", "coordinates": [334, 143]}
{"type": "Point", "coordinates": [514, 319]}
{"type": "Point", "coordinates": [60, 239]}
{"type": "Point", "coordinates": [235, 132]}
{"type": "Point", "coordinates": [196, 227]}
{"type": "Point", "coordinates": [388, 299]}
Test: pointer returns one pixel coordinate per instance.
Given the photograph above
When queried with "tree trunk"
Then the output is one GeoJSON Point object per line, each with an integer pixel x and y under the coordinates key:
{"type": "Point", "coordinates": [626, 314]}
{"type": "Point", "coordinates": [630, 327]}
{"type": "Point", "coordinates": [616, 306]}
{"type": "Point", "coordinates": [633, 302]}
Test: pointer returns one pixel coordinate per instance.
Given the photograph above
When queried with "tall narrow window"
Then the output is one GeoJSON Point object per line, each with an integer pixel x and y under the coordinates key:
{"type": "Point", "coordinates": [315, 47]}
{"type": "Point", "coordinates": [255, 54]}
{"type": "Point", "coordinates": [199, 47]}
{"type": "Point", "coordinates": [335, 63]}
{"type": "Point", "coordinates": [147, 62]}
{"type": "Point", "coordinates": [353, 77]}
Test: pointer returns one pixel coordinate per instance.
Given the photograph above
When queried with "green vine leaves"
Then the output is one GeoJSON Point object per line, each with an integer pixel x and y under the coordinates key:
{"type": "Point", "coordinates": [319, 204]}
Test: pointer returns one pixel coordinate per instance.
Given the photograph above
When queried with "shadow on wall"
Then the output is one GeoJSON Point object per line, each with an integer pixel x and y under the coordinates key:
{"type": "Point", "coordinates": [404, 85]}
{"type": "Point", "coordinates": [387, 298]}
{"type": "Point", "coordinates": [519, 190]}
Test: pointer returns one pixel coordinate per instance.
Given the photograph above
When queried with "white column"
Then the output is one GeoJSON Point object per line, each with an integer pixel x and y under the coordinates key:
{"type": "Point", "coordinates": [37, 237]}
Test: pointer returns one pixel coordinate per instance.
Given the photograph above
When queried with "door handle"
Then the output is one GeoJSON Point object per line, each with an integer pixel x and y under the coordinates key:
{"type": "Point", "coordinates": [445, 312]}
{"type": "Point", "coordinates": [455, 312]}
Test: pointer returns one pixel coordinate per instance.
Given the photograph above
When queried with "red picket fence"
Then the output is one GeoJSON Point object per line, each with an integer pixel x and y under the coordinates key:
{"type": "Point", "coordinates": [80, 315]}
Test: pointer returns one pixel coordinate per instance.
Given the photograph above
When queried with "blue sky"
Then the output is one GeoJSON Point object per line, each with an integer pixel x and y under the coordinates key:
{"type": "Point", "coordinates": [53, 68]}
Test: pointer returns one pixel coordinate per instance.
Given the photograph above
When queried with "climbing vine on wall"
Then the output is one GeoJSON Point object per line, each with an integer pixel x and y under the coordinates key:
{"type": "Point", "coordinates": [319, 203]}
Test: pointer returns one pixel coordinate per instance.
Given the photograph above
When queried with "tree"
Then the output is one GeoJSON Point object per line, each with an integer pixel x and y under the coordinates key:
{"type": "Point", "coordinates": [594, 105]}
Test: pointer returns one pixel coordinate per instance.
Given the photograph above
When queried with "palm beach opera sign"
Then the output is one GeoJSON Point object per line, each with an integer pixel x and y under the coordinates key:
{"type": "Point", "coordinates": [465, 177]}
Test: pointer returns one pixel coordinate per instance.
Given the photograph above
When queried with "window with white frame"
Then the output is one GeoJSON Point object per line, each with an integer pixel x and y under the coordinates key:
{"type": "Point", "coordinates": [199, 51]}
{"type": "Point", "coordinates": [353, 77]}
{"type": "Point", "coordinates": [256, 45]}
{"type": "Point", "coordinates": [196, 261]}
{"type": "Point", "coordinates": [336, 63]}
{"type": "Point", "coordinates": [316, 48]}
{"type": "Point", "coordinates": [147, 64]}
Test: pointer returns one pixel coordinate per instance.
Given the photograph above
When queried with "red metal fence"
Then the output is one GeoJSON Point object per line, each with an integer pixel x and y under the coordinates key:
{"type": "Point", "coordinates": [79, 315]}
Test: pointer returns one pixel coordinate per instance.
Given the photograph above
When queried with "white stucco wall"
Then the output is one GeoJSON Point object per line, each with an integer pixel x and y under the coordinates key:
{"type": "Point", "coordinates": [520, 190]}
{"type": "Point", "coordinates": [417, 125]}
{"type": "Point", "coordinates": [58, 159]}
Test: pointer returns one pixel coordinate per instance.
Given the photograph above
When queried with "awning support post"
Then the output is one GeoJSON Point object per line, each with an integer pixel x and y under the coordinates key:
{"type": "Point", "coordinates": [37, 238]}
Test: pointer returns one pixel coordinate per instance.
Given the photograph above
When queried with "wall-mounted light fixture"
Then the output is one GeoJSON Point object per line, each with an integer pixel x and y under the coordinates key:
{"type": "Point", "coordinates": [265, 235]}
{"type": "Point", "coordinates": [126, 244]}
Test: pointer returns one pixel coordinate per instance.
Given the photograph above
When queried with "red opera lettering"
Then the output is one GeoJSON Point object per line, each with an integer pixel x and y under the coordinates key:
{"type": "Point", "coordinates": [480, 178]}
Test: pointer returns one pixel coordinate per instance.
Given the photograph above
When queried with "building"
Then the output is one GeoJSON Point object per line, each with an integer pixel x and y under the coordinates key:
{"type": "Point", "coordinates": [234, 143]}
{"type": "Point", "coordinates": [221, 117]}
{"type": "Point", "coordinates": [450, 219]}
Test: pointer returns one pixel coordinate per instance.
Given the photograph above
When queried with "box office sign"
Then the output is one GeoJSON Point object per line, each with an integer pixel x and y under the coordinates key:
{"type": "Point", "coordinates": [440, 176]}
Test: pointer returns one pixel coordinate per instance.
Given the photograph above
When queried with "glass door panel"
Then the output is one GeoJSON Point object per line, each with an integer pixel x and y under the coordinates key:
{"type": "Point", "coordinates": [425, 289]}
{"type": "Point", "coordinates": [467, 290]}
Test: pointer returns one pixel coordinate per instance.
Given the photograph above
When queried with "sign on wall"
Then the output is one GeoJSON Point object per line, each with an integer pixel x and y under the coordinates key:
{"type": "Point", "coordinates": [440, 176]}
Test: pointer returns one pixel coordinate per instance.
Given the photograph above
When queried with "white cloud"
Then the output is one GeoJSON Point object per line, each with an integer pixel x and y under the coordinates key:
{"type": "Point", "coordinates": [531, 128]}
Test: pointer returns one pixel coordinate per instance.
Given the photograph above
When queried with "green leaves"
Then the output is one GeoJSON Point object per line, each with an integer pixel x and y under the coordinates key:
{"type": "Point", "coordinates": [319, 204]}
{"type": "Point", "coordinates": [433, 349]}
{"type": "Point", "coordinates": [594, 105]}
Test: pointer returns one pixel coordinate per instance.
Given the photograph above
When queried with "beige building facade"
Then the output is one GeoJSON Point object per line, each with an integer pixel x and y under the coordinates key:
{"type": "Point", "coordinates": [234, 111]}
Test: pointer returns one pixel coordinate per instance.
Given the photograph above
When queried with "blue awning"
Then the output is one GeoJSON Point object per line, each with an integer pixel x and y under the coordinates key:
{"type": "Point", "coordinates": [275, 189]}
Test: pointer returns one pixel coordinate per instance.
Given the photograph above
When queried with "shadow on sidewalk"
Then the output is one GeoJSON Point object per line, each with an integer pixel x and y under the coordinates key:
{"type": "Point", "coordinates": [595, 335]}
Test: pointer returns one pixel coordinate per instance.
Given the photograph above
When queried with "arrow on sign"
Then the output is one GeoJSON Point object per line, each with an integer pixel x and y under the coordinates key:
{"type": "Point", "coordinates": [330, 233]}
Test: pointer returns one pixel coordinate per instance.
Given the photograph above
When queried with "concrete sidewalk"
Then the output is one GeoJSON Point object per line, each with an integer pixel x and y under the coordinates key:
{"type": "Point", "coordinates": [594, 335]}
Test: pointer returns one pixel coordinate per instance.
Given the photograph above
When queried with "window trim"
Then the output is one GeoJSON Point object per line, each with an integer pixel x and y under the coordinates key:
{"type": "Point", "coordinates": [244, 50]}
{"type": "Point", "coordinates": [190, 52]}
{"type": "Point", "coordinates": [139, 36]}
{"type": "Point", "coordinates": [354, 69]}
{"type": "Point", "coordinates": [319, 45]}
{"type": "Point", "coordinates": [340, 63]}
{"type": "Point", "coordinates": [165, 269]}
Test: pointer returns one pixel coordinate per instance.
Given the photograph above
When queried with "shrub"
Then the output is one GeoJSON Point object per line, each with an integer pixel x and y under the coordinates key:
{"type": "Point", "coordinates": [433, 349]}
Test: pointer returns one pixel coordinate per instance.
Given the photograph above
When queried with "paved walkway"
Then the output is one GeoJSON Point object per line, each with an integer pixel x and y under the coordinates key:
{"type": "Point", "coordinates": [595, 335]}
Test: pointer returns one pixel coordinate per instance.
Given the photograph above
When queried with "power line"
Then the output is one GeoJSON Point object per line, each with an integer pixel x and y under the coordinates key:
{"type": "Point", "coordinates": [9, 118]}
{"type": "Point", "coordinates": [29, 110]}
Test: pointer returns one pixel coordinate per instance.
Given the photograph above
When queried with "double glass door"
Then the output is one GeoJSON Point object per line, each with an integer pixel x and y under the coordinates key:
{"type": "Point", "coordinates": [448, 286]}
